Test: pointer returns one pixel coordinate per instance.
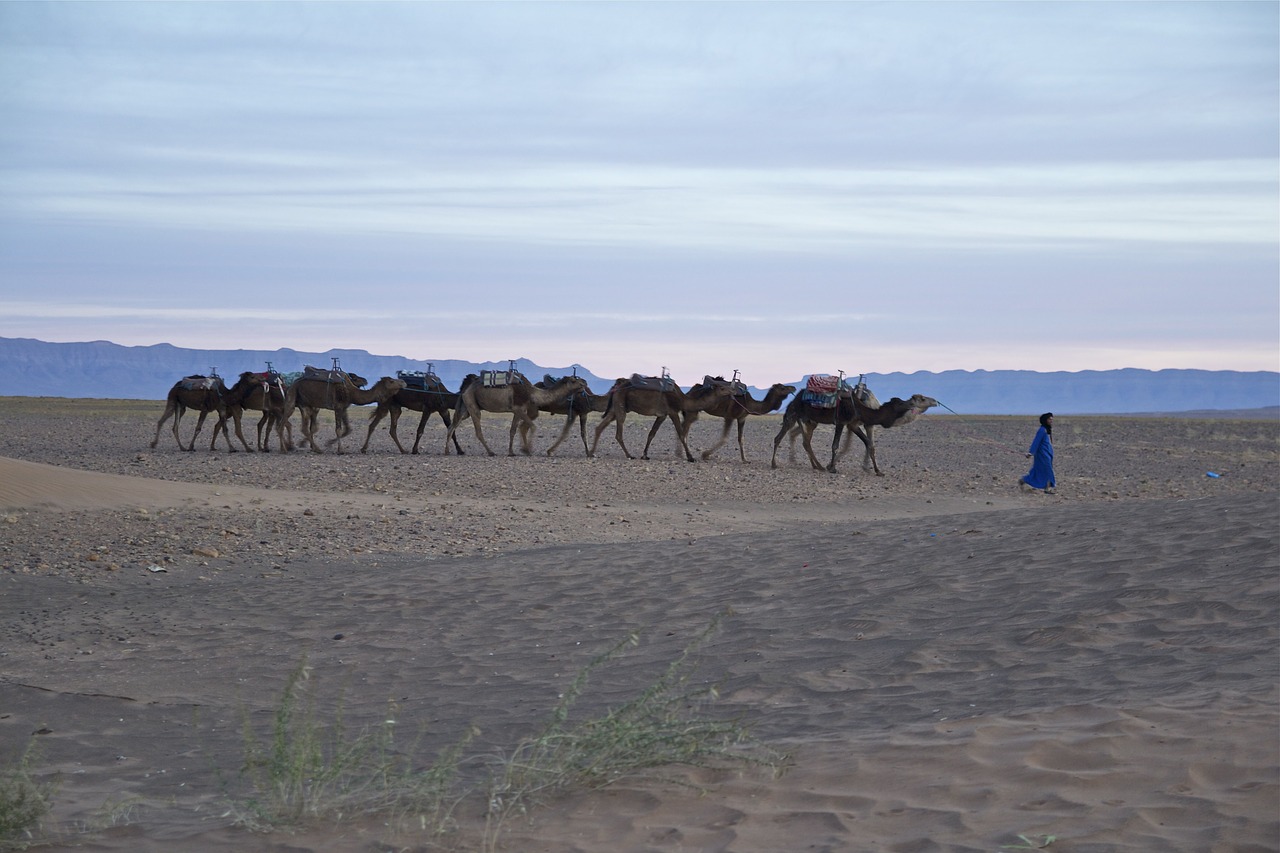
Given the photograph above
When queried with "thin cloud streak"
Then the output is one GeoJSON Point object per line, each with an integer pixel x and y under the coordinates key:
{"type": "Point", "coordinates": [24, 311]}
{"type": "Point", "coordinates": [1017, 209]}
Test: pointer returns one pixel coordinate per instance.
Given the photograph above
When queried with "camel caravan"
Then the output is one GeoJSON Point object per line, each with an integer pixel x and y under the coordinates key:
{"type": "Point", "coordinates": [850, 408]}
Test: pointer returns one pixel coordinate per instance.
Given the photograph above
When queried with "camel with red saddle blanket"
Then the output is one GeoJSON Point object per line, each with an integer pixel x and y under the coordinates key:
{"type": "Point", "coordinates": [846, 407]}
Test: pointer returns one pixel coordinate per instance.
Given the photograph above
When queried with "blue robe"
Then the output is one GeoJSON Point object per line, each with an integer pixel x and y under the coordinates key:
{"type": "Point", "coordinates": [1041, 474]}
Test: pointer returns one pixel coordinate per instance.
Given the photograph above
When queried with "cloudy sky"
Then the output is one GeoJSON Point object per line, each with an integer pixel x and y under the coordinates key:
{"type": "Point", "coordinates": [777, 188]}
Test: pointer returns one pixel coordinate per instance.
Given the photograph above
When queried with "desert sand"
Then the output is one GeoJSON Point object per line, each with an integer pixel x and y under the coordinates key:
{"type": "Point", "coordinates": [950, 662]}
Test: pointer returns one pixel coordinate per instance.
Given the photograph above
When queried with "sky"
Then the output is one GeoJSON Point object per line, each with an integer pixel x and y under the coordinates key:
{"type": "Point", "coordinates": [774, 188]}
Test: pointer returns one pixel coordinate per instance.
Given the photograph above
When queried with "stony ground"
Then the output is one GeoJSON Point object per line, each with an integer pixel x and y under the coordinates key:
{"type": "Point", "coordinates": [315, 505]}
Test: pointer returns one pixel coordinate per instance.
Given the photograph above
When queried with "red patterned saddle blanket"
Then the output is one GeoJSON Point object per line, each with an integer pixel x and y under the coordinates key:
{"type": "Point", "coordinates": [820, 383]}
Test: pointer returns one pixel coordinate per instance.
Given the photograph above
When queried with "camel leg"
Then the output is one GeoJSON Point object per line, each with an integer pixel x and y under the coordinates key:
{"type": "Point", "coordinates": [682, 431]}
{"type": "Point", "coordinates": [835, 447]}
{"type": "Point", "coordinates": [618, 422]}
{"type": "Point", "coordinates": [378, 414]}
{"type": "Point", "coordinates": [806, 437]}
{"type": "Point", "coordinates": [568, 422]}
{"type": "Point", "coordinates": [848, 440]}
{"type": "Point", "coordinates": [787, 423]}
{"type": "Point", "coordinates": [264, 431]}
{"type": "Point", "coordinates": [310, 423]}
{"type": "Point", "coordinates": [796, 432]}
{"type": "Point", "coordinates": [610, 417]}
{"type": "Point", "coordinates": [582, 424]}
{"type": "Point", "coordinates": [341, 426]}
{"type": "Point", "coordinates": [460, 414]}
{"type": "Point", "coordinates": [374, 419]}
{"type": "Point", "coordinates": [284, 427]}
{"type": "Point", "coordinates": [199, 423]}
{"type": "Point", "coordinates": [528, 431]}
{"type": "Point", "coordinates": [520, 420]}
{"type": "Point", "coordinates": [395, 422]}
{"type": "Point", "coordinates": [452, 429]}
{"type": "Point", "coordinates": [869, 448]}
{"type": "Point", "coordinates": [177, 419]}
{"type": "Point", "coordinates": [265, 424]}
{"type": "Point", "coordinates": [221, 427]}
{"type": "Point", "coordinates": [237, 416]}
{"type": "Point", "coordinates": [475, 421]}
{"type": "Point", "coordinates": [870, 455]}
{"type": "Point", "coordinates": [724, 436]}
{"type": "Point", "coordinates": [444, 416]}
{"type": "Point", "coordinates": [657, 422]}
{"type": "Point", "coordinates": [742, 451]}
{"type": "Point", "coordinates": [422, 426]}
{"type": "Point", "coordinates": [170, 409]}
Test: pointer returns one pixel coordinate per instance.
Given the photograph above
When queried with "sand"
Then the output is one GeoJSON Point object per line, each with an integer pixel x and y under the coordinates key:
{"type": "Point", "coordinates": [949, 662]}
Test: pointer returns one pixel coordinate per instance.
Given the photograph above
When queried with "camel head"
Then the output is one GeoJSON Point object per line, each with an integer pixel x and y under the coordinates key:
{"type": "Point", "coordinates": [911, 409]}
{"type": "Point", "coordinates": [779, 392]}
{"type": "Point", "coordinates": [389, 384]}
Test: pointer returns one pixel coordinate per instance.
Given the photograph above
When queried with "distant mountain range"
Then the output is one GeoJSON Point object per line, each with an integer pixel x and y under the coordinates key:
{"type": "Point", "coordinates": [101, 369]}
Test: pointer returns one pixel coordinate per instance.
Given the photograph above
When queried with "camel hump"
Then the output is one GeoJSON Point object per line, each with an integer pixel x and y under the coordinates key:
{"type": "Point", "coordinates": [418, 380]}
{"type": "Point", "coordinates": [823, 383]}
{"type": "Point", "coordinates": [198, 382]}
{"type": "Point", "coordinates": [739, 387]}
{"type": "Point", "coordinates": [321, 373]}
{"type": "Point", "coordinates": [651, 383]}
{"type": "Point", "coordinates": [499, 378]}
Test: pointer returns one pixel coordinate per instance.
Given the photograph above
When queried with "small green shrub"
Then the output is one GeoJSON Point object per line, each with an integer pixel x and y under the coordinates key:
{"type": "Point", "coordinates": [663, 725]}
{"type": "Point", "coordinates": [309, 769]}
{"type": "Point", "coordinates": [24, 800]}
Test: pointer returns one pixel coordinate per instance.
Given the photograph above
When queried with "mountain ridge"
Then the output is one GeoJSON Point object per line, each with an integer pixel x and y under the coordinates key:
{"type": "Point", "coordinates": [104, 369]}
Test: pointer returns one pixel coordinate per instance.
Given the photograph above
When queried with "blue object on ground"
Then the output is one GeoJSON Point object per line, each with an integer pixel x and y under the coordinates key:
{"type": "Point", "coordinates": [1212, 474]}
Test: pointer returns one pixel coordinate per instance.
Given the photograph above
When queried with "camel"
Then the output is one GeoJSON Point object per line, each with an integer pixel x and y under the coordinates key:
{"type": "Point", "coordinates": [574, 407]}
{"type": "Point", "coordinates": [516, 397]}
{"type": "Point", "coordinates": [336, 390]}
{"type": "Point", "coordinates": [868, 399]}
{"type": "Point", "coordinates": [628, 395]}
{"type": "Point", "coordinates": [425, 393]}
{"type": "Point", "coordinates": [204, 394]}
{"type": "Point", "coordinates": [850, 412]}
{"type": "Point", "coordinates": [263, 392]}
{"type": "Point", "coordinates": [736, 409]}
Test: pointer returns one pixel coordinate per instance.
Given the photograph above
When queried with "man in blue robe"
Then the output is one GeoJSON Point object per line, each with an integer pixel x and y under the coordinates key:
{"type": "Point", "coordinates": [1041, 474]}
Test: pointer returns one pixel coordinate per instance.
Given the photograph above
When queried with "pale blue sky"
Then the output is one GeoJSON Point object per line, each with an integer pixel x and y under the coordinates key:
{"type": "Point", "coordinates": [776, 188]}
